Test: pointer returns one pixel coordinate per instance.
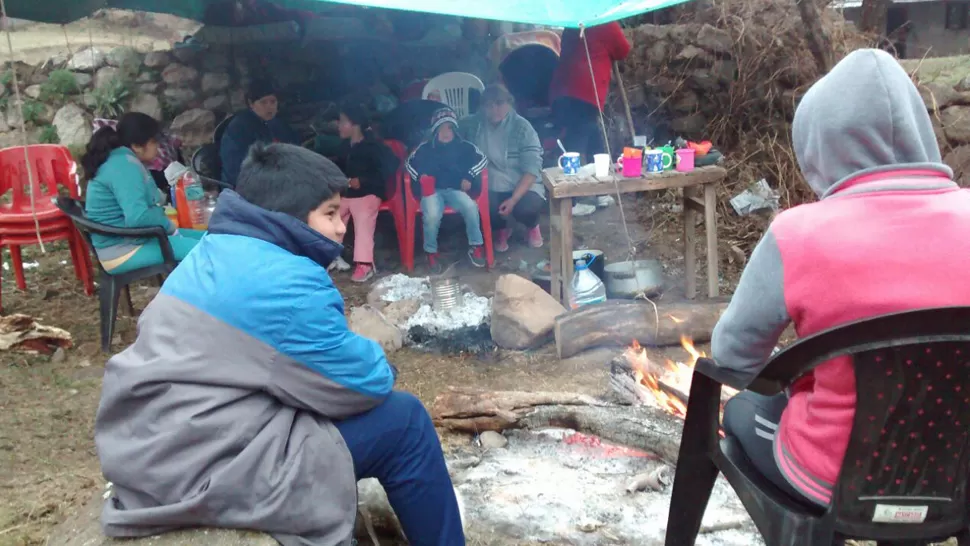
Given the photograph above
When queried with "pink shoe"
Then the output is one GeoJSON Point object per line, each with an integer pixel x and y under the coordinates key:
{"type": "Point", "coordinates": [502, 240]}
{"type": "Point", "coordinates": [363, 273]}
{"type": "Point", "coordinates": [534, 237]}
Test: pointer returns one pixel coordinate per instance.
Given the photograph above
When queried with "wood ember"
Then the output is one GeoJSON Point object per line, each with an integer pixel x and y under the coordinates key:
{"type": "Point", "coordinates": [24, 334]}
{"type": "Point", "coordinates": [644, 427]}
{"type": "Point", "coordinates": [618, 323]}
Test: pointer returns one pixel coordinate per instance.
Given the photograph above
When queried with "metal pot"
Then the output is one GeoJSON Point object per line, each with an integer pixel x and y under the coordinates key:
{"type": "Point", "coordinates": [626, 280]}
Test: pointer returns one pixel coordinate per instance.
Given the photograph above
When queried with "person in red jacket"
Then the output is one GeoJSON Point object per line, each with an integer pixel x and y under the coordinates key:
{"type": "Point", "coordinates": [576, 101]}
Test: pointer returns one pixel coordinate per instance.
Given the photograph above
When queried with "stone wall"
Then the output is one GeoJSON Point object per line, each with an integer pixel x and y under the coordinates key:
{"type": "Point", "coordinates": [191, 90]}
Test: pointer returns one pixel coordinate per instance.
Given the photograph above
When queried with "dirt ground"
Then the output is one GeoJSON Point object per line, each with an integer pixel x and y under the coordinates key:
{"type": "Point", "coordinates": [47, 408]}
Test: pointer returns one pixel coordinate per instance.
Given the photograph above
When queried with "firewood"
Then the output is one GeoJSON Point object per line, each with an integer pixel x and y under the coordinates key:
{"type": "Point", "coordinates": [644, 427]}
{"type": "Point", "coordinates": [620, 322]}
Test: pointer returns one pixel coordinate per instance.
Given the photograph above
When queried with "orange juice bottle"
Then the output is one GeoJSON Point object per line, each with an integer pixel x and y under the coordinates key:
{"type": "Point", "coordinates": [188, 196]}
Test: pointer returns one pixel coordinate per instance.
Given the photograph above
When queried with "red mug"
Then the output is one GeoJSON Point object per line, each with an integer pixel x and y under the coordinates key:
{"type": "Point", "coordinates": [427, 186]}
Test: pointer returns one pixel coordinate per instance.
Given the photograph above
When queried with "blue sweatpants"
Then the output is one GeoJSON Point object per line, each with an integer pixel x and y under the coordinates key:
{"type": "Point", "coordinates": [397, 444]}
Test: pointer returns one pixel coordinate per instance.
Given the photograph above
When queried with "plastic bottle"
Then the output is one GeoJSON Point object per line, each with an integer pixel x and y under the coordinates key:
{"type": "Point", "coordinates": [586, 288]}
{"type": "Point", "coordinates": [189, 197]}
{"type": "Point", "coordinates": [210, 207]}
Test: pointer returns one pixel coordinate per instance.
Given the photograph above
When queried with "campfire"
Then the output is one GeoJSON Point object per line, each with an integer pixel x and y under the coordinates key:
{"type": "Point", "coordinates": [666, 385]}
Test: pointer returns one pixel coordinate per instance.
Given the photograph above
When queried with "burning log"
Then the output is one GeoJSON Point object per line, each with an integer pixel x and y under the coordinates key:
{"type": "Point", "coordinates": [644, 427]}
{"type": "Point", "coordinates": [635, 379]}
{"type": "Point", "coordinates": [618, 322]}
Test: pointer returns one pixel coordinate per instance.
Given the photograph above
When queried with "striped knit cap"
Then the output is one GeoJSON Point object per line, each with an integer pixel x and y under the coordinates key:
{"type": "Point", "coordinates": [441, 117]}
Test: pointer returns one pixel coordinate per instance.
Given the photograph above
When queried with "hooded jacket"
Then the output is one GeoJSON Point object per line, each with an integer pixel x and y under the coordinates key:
{"type": "Point", "coordinates": [448, 163]}
{"type": "Point", "coordinates": [219, 415]}
{"type": "Point", "coordinates": [888, 235]}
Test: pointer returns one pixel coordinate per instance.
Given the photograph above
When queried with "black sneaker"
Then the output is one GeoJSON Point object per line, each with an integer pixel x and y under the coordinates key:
{"type": "Point", "coordinates": [434, 264]}
{"type": "Point", "coordinates": [477, 256]}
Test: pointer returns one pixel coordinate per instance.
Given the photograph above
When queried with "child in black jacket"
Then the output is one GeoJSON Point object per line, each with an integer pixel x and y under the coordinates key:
{"type": "Point", "coordinates": [446, 171]}
{"type": "Point", "coordinates": [369, 164]}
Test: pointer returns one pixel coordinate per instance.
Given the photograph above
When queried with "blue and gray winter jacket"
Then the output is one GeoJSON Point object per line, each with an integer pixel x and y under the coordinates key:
{"type": "Point", "coordinates": [219, 415]}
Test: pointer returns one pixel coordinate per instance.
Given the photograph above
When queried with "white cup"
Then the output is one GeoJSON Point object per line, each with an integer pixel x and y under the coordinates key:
{"type": "Point", "coordinates": [602, 164]}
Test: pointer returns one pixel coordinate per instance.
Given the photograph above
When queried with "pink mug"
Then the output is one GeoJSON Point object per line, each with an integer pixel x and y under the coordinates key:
{"type": "Point", "coordinates": [632, 167]}
{"type": "Point", "coordinates": [685, 160]}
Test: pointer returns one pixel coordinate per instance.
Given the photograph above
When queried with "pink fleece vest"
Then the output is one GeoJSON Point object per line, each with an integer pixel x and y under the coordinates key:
{"type": "Point", "coordinates": [880, 244]}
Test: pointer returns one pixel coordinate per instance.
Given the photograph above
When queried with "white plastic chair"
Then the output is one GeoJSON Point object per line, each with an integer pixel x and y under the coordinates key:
{"type": "Point", "coordinates": [453, 88]}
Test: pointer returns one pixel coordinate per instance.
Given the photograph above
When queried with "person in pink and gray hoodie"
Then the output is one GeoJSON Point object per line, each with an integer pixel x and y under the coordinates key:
{"type": "Point", "coordinates": [888, 234]}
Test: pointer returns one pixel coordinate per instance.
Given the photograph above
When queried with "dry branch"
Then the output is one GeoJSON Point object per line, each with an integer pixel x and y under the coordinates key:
{"type": "Point", "coordinates": [621, 322]}
{"type": "Point", "coordinates": [643, 427]}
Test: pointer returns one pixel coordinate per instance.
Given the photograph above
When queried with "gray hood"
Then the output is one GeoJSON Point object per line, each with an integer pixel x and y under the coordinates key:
{"type": "Point", "coordinates": [864, 117]}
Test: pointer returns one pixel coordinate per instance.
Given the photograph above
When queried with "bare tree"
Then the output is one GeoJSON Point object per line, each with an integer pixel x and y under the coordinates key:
{"type": "Point", "coordinates": [874, 16]}
{"type": "Point", "coordinates": [818, 40]}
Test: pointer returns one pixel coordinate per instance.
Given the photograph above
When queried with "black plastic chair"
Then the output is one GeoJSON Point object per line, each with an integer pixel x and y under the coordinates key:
{"type": "Point", "coordinates": [206, 161]}
{"type": "Point", "coordinates": [908, 448]}
{"type": "Point", "coordinates": [110, 286]}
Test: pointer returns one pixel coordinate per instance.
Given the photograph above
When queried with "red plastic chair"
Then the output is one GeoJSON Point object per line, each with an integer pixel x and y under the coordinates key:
{"type": "Point", "coordinates": [53, 169]}
{"type": "Point", "coordinates": [414, 209]}
{"type": "Point", "coordinates": [394, 204]}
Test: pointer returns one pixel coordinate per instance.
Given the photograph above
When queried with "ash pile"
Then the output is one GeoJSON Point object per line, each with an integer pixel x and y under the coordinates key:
{"type": "Point", "coordinates": [439, 314]}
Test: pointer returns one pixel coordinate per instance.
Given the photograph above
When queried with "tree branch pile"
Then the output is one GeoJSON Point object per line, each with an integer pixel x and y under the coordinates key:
{"type": "Point", "coordinates": [732, 72]}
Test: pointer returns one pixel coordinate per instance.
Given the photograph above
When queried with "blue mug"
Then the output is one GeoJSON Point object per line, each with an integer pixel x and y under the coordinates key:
{"type": "Point", "coordinates": [655, 161]}
{"type": "Point", "coordinates": [569, 163]}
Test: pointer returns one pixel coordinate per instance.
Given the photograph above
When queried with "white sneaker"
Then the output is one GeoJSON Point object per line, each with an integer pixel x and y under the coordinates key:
{"type": "Point", "coordinates": [339, 264]}
{"type": "Point", "coordinates": [605, 201]}
{"type": "Point", "coordinates": [582, 209]}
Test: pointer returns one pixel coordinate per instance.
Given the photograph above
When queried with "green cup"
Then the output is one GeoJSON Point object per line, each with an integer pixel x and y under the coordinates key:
{"type": "Point", "coordinates": [668, 157]}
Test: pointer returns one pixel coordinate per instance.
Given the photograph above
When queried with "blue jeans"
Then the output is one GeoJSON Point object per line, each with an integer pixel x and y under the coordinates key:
{"type": "Point", "coordinates": [433, 210]}
{"type": "Point", "coordinates": [397, 444]}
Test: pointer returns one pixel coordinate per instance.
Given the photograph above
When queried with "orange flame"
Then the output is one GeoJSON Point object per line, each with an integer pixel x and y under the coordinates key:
{"type": "Point", "coordinates": [676, 375]}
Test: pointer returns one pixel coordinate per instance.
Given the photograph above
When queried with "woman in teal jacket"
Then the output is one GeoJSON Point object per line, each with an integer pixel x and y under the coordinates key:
{"type": "Point", "coordinates": [121, 193]}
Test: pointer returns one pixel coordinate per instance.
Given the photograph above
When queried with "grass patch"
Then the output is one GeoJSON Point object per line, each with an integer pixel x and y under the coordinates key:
{"type": "Point", "coordinates": [59, 85]}
{"type": "Point", "coordinates": [110, 99]}
{"type": "Point", "coordinates": [48, 135]}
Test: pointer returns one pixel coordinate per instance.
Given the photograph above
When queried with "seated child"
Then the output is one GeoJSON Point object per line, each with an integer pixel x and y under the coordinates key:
{"type": "Point", "coordinates": [368, 163]}
{"type": "Point", "coordinates": [456, 166]}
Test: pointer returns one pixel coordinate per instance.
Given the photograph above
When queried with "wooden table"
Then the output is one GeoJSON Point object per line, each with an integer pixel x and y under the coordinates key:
{"type": "Point", "coordinates": [561, 190]}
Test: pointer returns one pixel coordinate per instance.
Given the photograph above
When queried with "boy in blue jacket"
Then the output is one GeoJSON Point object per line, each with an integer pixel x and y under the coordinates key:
{"type": "Point", "coordinates": [456, 166]}
{"type": "Point", "coordinates": [246, 401]}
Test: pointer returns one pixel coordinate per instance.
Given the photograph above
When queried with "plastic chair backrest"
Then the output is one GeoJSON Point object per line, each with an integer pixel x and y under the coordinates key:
{"type": "Point", "coordinates": [453, 88]}
{"type": "Point", "coordinates": [394, 182]}
{"type": "Point", "coordinates": [52, 167]}
{"type": "Point", "coordinates": [908, 458]}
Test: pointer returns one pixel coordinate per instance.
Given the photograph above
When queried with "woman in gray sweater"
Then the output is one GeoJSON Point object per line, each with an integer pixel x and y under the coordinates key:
{"type": "Point", "coordinates": [514, 165]}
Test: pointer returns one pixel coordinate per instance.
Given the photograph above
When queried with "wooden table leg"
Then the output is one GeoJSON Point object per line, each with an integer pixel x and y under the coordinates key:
{"type": "Point", "coordinates": [710, 226]}
{"type": "Point", "coordinates": [555, 249]}
{"type": "Point", "coordinates": [690, 252]}
{"type": "Point", "coordinates": [566, 247]}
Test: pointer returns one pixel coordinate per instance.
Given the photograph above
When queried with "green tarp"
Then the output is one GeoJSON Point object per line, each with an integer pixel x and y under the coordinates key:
{"type": "Point", "coordinates": [565, 13]}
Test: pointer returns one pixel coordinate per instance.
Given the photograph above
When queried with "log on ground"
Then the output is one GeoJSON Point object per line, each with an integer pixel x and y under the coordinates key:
{"type": "Point", "coordinates": [620, 322]}
{"type": "Point", "coordinates": [643, 427]}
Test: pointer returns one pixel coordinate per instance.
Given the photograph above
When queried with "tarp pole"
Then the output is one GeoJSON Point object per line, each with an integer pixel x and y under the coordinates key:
{"type": "Point", "coordinates": [626, 101]}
